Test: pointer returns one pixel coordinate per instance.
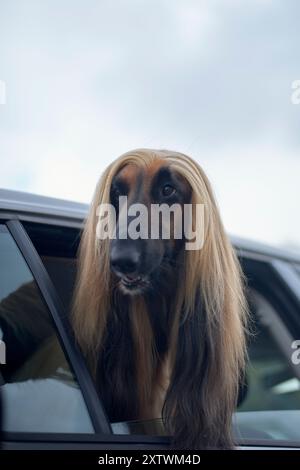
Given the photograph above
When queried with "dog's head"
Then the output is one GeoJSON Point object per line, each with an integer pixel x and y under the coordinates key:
{"type": "Point", "coordinates": [149, 203]}
{"type": "Point", "coordinates": [206, 312]}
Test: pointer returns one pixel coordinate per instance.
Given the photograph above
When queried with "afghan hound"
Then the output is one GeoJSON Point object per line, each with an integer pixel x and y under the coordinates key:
{"type": "Point", "coordinates": [162, 327]}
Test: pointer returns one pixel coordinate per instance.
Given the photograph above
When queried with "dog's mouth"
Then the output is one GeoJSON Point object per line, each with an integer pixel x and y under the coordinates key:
{"type": "Point", "coordinates": [133, 284]}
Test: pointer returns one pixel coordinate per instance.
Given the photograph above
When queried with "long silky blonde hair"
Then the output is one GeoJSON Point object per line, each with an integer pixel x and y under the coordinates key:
{"type": "Point", "coordinates": [211, 274]}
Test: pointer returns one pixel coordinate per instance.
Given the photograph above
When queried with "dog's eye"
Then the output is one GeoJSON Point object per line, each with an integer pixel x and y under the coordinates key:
{"type": "Point", "coordinates": [168, 190]}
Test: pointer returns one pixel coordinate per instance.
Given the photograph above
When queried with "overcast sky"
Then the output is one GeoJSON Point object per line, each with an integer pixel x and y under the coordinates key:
{"type": "Point", "coordinates": [87, 80]}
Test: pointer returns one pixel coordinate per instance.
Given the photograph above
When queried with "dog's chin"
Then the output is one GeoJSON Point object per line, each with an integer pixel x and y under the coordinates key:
{"type": "Point", "coordinates": [131, 291]}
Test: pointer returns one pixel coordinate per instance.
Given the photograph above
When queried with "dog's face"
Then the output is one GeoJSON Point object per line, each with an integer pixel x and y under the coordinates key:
{"type": "Point", "coordinates": [140, 263]}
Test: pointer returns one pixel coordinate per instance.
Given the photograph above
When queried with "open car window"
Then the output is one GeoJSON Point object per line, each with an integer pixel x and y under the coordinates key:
{"type": "Point", "coordinates": [270, 409]}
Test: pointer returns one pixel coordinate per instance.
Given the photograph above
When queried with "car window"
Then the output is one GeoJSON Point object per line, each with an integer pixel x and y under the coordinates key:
{"type": "Point", "coordinates": [272, 378]}
{"type": "Point", "coordinates": [270, 402]}
{"type": "Point", "coordinates": [39, 391]}
{"type": "Point", "coordinates": [271, 407]}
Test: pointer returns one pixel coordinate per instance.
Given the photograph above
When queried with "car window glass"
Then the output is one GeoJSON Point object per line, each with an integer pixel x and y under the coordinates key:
{"type": "Point", "coordinates": [39, 391]}
{"type": "Point", "coordinates": [271, 407]}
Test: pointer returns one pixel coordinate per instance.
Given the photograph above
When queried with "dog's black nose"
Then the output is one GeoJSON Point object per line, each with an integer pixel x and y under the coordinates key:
{"type": "Point", "coordinates": [125, 262]}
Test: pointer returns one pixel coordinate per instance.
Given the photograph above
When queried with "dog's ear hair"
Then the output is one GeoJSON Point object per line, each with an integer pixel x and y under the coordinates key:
{"type": "Point", "coordinates": [196, 411]}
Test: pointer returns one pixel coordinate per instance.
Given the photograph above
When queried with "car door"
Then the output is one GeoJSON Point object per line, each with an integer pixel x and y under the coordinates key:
{"type": "Point", "coordinates": [48, 397]}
